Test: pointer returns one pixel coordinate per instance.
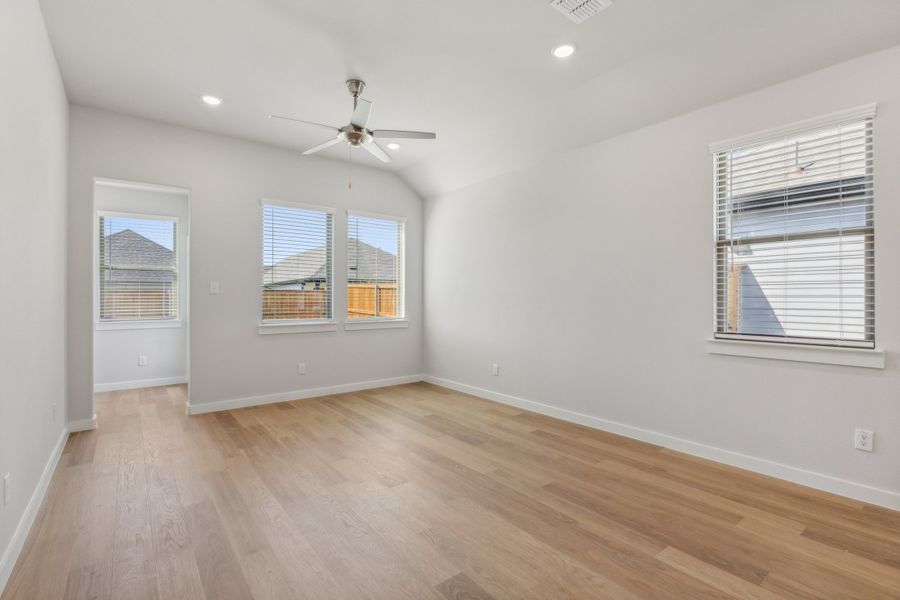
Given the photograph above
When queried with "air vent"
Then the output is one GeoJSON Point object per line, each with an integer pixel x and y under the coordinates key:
{"type": "Point", "coordinates": [579, 11]}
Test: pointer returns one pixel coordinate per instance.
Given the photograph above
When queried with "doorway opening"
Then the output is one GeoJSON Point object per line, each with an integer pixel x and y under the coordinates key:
{"type": "Point", "coordinates": [141, 282]}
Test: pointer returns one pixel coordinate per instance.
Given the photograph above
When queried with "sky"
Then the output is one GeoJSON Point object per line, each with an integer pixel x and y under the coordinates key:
{"type": "Point", "coordinates": [160, 231]}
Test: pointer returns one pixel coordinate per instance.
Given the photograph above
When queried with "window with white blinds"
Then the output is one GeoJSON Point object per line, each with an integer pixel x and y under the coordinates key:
{"type": "Point", "coordinates": [374, 267]}
{"type": "Point", "coordinates": [297, 257]}
{"type": "Point", "coordinates": [138, 270]}
{"type": "Point", "coordinates": [795, 238]}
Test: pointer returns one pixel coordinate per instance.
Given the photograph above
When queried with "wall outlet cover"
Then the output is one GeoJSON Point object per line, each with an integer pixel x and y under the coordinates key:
{"type": "Point", "coordinates": [864, 439]}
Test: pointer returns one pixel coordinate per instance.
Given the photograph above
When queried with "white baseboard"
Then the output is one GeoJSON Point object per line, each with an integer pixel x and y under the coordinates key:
{"type": "Point", "coordinates": [83, 424]}
{"type": "Point", "coordinates": [206, 407]}
{"type": "Point", "coordinates": [820, 481]}
{"type": "Point", "coordinates": [11, 553]}
{"type": "Point", "coordinates": [138, 383]}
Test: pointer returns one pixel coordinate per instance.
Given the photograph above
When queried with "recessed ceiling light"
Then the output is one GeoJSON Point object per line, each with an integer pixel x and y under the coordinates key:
{"type": "Point", "coordinates": [564, 51]}
{"type": "Point", "coordinates": [394, 146]}
{"type": "Point", "coordinates": [212, 100]}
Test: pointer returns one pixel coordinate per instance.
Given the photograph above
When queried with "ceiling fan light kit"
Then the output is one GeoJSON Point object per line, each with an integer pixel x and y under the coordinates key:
{"type": "Point", "coordinates": [357, 134]}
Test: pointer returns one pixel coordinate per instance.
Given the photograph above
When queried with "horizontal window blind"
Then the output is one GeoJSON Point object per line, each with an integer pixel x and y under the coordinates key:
{"type": "Point", "coordinates": [374, 267]}
{"type": "Point", "coordinates": [296, 263]}
{"type": "Point", "coordinates": [795, 238]}
{"type": "Point", "coordinates": [138, 268]}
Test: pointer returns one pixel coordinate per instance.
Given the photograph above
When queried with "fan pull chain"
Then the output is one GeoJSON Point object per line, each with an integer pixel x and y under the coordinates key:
{"type": "Point", "coordinates": [349, 167]}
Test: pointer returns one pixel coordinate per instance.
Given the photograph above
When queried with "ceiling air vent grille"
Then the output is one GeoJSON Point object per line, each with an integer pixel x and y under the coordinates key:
{"type": "Point", "coordinates": [579, 11]}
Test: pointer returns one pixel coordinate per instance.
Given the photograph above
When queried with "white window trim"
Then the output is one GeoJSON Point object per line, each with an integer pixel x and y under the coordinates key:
{"type": "Point", "coordinates": [121, 324]}
{"type": "Point", "coordinates": [309, 326]}
{"type": "Point", "coordinates": [281, 326]}
{"type": "Point", "coordinates": [866, 111]}
{"type": "Point", "coordinates": [376, 322]}
{"type": "Point", "coordinates": [826, 355]}
{"type": "Point", "coordinates": [135, 324]}
{"type": "Point", "coordinates": [872, 358]}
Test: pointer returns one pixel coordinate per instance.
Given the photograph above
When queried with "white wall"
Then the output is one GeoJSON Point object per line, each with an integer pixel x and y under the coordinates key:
{"type": "Point", "coordinates": [589, 277]}
{"type": "Point", "coordinates": [33, 115]}
{"type": "Point", "coordinates": [116, 351]}
{"type": "Point", "coordinates": [227, 177]}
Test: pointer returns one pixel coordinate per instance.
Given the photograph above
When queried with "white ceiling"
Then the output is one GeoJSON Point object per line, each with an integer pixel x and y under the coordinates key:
{"type": "Point", "coordinates": [478, 72]}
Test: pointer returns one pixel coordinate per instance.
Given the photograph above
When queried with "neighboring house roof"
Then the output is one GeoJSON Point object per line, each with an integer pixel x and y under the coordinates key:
{"type": "Point", "coordinates": [128, 249]}
{"type": "Point", "coordinates": [308, 265]}
{"type": "Point", "coordinates": [365, 262]}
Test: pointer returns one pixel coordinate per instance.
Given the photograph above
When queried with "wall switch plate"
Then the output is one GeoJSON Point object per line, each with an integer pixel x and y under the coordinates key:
{"type": "Point", "coordinates": [301, 368]}
{"type": "Point", "coordinates": [6, 489]}
{"type": "Point", "coordinates": [495, 369]}
{"type": "Point", "coordinates": [142, 361]}
{"type": "Point", "coordinates": [213, 287]}
{"type": "Point", "coordinates": [864, 439]}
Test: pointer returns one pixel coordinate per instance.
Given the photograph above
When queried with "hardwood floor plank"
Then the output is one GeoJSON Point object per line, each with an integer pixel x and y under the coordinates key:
{"type": "Point", "coordinates": [461, 587]}
{"type": "Point", "coordinates": [420, 492]}
{"type": "Point", "coordinates": [220, 572]}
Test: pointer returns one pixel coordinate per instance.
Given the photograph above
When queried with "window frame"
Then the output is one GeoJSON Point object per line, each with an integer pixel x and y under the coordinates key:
{"type": "Point", "coordinates": [136, 323]}
{"type": "Point", "coordinates": [378, 322]}
{"type": "Point", "coordinates": [281, 326]}
{"type": "Point", "coordinates": [865, 353]}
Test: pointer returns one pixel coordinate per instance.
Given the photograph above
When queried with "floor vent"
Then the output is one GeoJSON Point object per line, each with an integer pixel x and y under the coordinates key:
{"type": "Point", "coordinates": [579, 11]}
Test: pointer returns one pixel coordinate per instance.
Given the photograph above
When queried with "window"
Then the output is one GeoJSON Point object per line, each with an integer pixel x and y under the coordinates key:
{"type": "Point", "coordinates": [138, 270]}
{"type": "Point", "coordinates": [795, 237]}
{"type": "Point", "coordinates": [374, 267]}
{"type": "Point", "coordinates": [296, 262]}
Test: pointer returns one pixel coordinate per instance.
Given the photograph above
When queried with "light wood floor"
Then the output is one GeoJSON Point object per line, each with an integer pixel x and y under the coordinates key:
{"type": "Point", "coordinates": [421, 493]}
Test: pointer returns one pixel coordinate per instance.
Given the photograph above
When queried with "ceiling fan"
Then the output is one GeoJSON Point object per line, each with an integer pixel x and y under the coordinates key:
{"type": "Point", "coordinates": [356, 134]}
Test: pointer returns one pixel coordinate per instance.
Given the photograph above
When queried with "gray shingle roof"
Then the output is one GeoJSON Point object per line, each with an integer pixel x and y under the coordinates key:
{"type": "Point", "coordinates": [365, 263]}
{"type": "Point", "coordinates": [128, 249]}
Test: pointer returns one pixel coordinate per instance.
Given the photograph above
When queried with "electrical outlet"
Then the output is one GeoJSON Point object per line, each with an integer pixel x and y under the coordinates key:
{"type": "Point", "coordinates": [6, 489]}
{"type": "Point", "coordinates": [213, 287]}
{"type": "Point", "coordinates": [495, 369]}
{"type": "Point", "coordinates": [53, 412]}
{"type": "Point", "coordinates": [301, 368]}
{"type": "Point", "coordinates": [864, 439]}
{"type": "Point", "coordinates": [142, 361]}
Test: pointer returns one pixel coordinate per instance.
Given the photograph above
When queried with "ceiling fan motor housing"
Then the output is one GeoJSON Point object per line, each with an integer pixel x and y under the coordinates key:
{"type": "Point", "coordinates": [355, 136]}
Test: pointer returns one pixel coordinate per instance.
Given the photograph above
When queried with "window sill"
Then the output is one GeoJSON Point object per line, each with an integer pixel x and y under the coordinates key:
{"type": "Point", "coordinates": [148, 324]}
{"type": "Point", "coordinates": [850, 357]}
{"type": "Point", "coordinates": [357, 324]}
{"type": "Point", "coordinates": [296, 327]}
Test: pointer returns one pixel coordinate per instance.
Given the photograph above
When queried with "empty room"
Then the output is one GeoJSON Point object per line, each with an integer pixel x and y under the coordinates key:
{"type": "Point", "coordinates": [467, 300]}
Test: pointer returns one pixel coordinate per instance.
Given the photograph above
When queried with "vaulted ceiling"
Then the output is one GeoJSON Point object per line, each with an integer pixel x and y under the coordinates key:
{"type": "Point", "coordinates": [477, 72]}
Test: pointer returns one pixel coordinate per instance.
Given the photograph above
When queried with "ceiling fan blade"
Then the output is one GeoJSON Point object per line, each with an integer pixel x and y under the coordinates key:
{"type": "Point", "coordinates": [304, 122]}
{"type": "Point", "coordinates": [323, 145]}
{"type": "Point", "coordinates": [393, 134]}
{"type": "Point", "coordinates": [377, 151]}
{"type": "Point", "coordinates": [361, 113]}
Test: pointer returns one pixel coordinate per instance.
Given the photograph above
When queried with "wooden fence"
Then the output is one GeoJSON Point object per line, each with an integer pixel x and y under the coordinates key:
{"type": "Point", "coordinates": [157, 302]}
{"type": "Point", "coordinates": [277, 304]}
{"type": "Point", "coordinates": [295, 304]}
{"type": "Point", "coordinates": [313, 304]}
{"type": "Point", "coordinates": [361, 300]}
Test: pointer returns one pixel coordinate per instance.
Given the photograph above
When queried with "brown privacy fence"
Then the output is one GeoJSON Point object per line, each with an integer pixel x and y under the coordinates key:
{"type": "Point", "coordinates": [361, 300]}
{"type": "Point", "coordinates": [135, 302]}
{"type": "Point", "coordinates": [295, 304]}
{"type": "Point", "coordinates": [313, 304]}
{"type": "Point", "coordinates": [159, 303]}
